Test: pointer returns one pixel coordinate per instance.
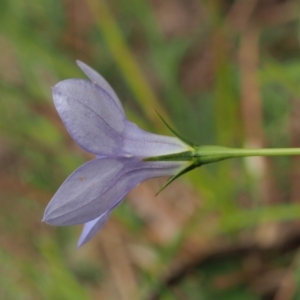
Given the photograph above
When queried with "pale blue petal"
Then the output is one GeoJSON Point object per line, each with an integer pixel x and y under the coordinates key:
{"type": "Point", "coordinates": [97, 79]}
{"type": "Point", "coordinates": [90, 115]}
{"type": "Point", "coordinates": [140, 143]}
{"type": "Point", "coordinates": [91, 228]}
{"type": "Point", "coordinates": [99, 185]}
{"type": "Point", "coordinates": [81, 188]}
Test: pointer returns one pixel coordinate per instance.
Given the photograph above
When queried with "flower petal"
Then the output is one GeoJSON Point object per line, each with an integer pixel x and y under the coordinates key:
{"type": "Point", "coordinates": [91, 228]}
{"type": "Point", "coordinates": [80, 188]}
{"type": "Point", "coordinates": [140, 143]}
{"type": "Point", "coordinates": [97, 79]}
{"type": "Point", "coordinates": [99, 185]}
{"type": "Point", "coordinates": [90, 115]}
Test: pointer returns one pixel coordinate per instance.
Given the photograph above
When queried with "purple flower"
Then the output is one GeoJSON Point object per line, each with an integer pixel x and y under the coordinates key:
{"type": "Point", "coordinates": [94, 117]}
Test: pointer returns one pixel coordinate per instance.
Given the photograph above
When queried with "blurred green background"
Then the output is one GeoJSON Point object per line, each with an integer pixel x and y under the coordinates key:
{"type": "Point", "coordinates": [222, 72]}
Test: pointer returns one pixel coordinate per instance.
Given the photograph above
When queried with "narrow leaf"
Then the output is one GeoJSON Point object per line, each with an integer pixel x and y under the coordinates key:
{"type": "Point", "coordinates": [174, 132]}
{"type": "Point", "coordinates": [183, 171]}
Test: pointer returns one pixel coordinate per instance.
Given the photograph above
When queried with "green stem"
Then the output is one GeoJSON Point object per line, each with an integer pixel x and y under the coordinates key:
{"type": "Point", "coordinates": [125, 59]}
{"type": "Point", "coordinates": [209, 154]}
{"type": "Point", "coordinates": [235, 152]}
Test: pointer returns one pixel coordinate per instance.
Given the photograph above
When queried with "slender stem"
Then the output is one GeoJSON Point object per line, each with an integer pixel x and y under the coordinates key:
{"type": "Point", "coordinates": [209, 154]}
{"type": "Point", "coordinates": [125, 59]}
{"type": "Point", "coordinates": [234, 152]}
